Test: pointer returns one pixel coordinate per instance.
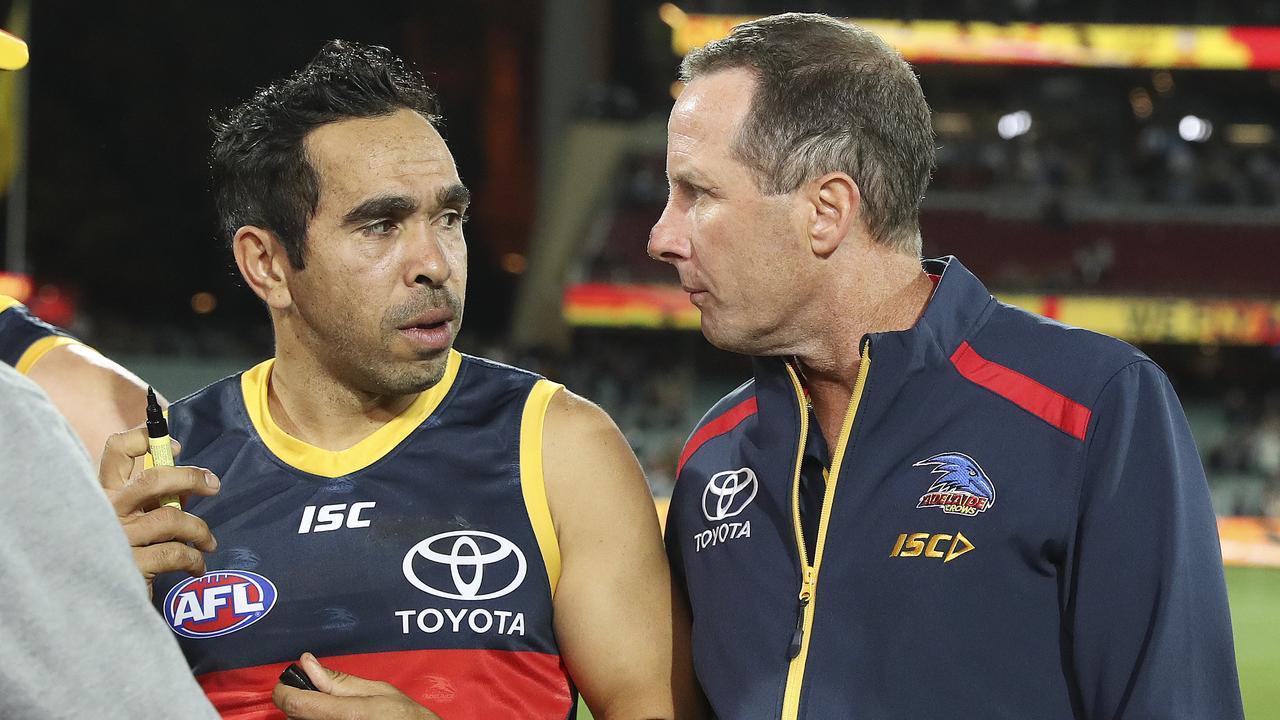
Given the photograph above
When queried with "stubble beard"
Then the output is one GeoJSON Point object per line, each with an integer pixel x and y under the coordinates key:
{"type": "Point", "coordinates": [368, 365]}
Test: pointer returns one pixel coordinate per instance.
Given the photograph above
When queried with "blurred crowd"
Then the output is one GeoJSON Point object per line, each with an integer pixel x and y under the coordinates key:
{"type": "Point", "coordinates": [1242, 457]}
{"type": "Point", "coordinates": [1157, 166]}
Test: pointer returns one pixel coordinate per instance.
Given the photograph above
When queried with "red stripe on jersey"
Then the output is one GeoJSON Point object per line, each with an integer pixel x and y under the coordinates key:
{"type": "Point", "coordinates": [721, 425]}
{"type": "Point", "coordinates": [1049, 405]}
{"type": "Point", "coordinates": [455, 684]}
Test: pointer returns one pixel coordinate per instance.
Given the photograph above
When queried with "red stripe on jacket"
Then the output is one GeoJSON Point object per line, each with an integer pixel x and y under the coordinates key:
{"type": "Point", "coordinates": [455, 684]}
{"type": "Point", "coordinates": [1045, 403]}
{"type": "Point", "coordinates": [721, 425]}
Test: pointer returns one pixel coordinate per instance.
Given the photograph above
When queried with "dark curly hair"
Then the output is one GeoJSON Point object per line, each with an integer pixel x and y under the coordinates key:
{"type": "Point", "coordinates": [261, 175]}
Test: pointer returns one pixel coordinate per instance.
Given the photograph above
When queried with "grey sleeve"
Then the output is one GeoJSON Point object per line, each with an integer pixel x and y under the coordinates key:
{"type": "Point", "coordinates": [78, 637]}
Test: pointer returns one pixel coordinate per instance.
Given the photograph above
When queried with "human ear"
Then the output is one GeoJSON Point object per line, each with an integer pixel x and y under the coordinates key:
{"type": "Point", "coordinates": [836, 204]}
{"type": "Point", "coordinates": [263, 262]}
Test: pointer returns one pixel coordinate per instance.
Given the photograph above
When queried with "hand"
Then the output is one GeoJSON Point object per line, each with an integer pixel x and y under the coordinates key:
{"type": "Point", "coordinates": [159, 535]}
{"type": "Point", "coordinates": [345, 697]}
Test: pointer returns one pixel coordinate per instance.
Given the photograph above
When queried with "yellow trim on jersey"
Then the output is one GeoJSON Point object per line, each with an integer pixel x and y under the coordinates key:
{"type": "Point", "coordinates": [39, 348]}
{"type": "Point", "coordinates": [304, 456]}
{"type": "Point", "coordinates": [532, 483]}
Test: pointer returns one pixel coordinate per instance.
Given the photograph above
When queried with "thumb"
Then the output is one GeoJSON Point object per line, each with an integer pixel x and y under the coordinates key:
{"type": "Point", "coordinates": [337, 683]}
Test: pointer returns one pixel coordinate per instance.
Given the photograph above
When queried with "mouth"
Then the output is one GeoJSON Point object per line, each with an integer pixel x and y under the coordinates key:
{"type": "Point", "coordinates": [695, 294]}
{"type": "Point", "coordinates": [429, 331]}
{"type": "Point", "coordinates": [429, 320]}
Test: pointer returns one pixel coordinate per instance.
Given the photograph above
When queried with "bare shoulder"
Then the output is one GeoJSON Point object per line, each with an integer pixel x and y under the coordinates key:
{"type": "Point", "coordinates": [86, 370]}
{"type": "Point", "coordinates": [588, 463]}
{"type": "Point", "coordinates": [570, 417]}
{"type": "Point", "coordinates": [96, 394]}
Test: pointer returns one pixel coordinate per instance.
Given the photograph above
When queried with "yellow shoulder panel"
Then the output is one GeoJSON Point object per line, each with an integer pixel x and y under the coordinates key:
{"type": "Point", "coordinates": [531, 478]}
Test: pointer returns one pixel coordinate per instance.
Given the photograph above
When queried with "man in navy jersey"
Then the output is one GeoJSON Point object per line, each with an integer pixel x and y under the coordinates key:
{"type": "Point", "coordinates": [926, 503]}
{"type": "Point", "coordinates": [439, 530]}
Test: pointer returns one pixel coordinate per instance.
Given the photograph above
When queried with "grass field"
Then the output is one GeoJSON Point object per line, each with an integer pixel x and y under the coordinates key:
{"type": "Point", "coordinates": [1255, 614]}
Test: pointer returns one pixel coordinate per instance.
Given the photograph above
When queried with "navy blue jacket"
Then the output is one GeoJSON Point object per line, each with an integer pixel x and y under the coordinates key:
{"type": "Point", "coordinates": [1015, 525]}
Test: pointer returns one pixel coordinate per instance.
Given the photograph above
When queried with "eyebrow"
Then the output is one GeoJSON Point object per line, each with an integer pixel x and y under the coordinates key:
{"type": "Point", "coordinates": [688, 177]}
{"type": "Point", "coordinates": [399, 206]}
{"type": "Point", "coordinates": [383, 206]}
{"type": "Point", "coordinates": [455, 196]}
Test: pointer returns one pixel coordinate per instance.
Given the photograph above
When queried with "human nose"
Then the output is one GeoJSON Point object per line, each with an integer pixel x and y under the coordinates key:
{"type": "Point", "coordinates": [669, 238]}
{"type": "Point", "coordinates": [430, 263]}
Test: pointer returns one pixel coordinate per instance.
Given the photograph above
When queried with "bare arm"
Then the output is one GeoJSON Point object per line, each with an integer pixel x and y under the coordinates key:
{"type": "Point", "coordinates": [613, 615]}
{"type": "Point", "coordinates": [690, 703]}
{"type": "Point", "coordinates": [96, 395]}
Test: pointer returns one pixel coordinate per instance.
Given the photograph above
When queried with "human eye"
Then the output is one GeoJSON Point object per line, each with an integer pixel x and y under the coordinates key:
{"type": "Point", "coordinates": [381, 228]}
{"type": "Point", "coordinates": [453, 219]}
{"type": "Point", "coordinates": [697, 192]}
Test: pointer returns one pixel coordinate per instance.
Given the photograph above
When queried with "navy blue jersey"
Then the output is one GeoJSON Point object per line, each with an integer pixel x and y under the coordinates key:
{"type": "Point", "coordinates": [423, 556]}
{"type": "Point", "coordinates": [1014, 523]}
{"type": "Point", "coordinates": [25, 338]}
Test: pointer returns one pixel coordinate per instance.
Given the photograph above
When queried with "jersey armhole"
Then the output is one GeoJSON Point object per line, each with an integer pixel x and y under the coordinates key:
{"type": "Point", "coordinates": [532, 483]}
{"type": "Point", "coordinates": [39, 349]}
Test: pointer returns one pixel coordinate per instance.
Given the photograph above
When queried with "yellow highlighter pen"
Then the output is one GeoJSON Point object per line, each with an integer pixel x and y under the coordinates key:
{"type": "Point", "coordinates": [158, 441]}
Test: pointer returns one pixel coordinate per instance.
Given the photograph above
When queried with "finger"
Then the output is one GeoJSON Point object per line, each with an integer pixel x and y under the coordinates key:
{"type": "Point", "coordinates": [118, 456]}
{"type": "Point", "coordinates": [168, 523]}
{"type": "Point", "coordinates": [293, 702]}
{"type": "Point", "coordinates": [319, 675]}
{"type": "Point", "coordinates": [341, 684]}
{"type": "Point", "coordinates": [144, 462]}
{"type": "Point", "coordinates": [146, 490]}
{"type": "Point", "coordinates": [308, 705]}
{"type": "Point", "coordinates": [166, 557]}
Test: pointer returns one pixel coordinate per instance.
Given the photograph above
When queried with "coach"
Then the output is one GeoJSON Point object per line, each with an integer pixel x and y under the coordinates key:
{"type": "Point", "coordinates": [927, 503]}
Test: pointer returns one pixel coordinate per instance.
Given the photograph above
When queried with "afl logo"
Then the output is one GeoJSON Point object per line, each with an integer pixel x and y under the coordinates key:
{"type": "Point", "coordinates": [481, 565]}
{"type": "Point", "coordinates": [728, 493]}
{"type": "Point", "coordinates": [218, 603]}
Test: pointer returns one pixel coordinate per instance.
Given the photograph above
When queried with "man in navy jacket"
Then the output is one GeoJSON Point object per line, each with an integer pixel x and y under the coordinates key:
{"type": "Point", "coordinates": [926, 504]}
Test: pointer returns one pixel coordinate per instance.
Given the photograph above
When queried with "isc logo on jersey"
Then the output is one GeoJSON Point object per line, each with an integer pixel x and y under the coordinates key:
{"type": "Point", "coordinates": [218, 603]}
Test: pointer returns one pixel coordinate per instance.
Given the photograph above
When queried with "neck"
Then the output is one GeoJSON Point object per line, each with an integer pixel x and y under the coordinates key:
{"type": "Point", "coordinates": [312, 404]}
{"type": "Point", "coordinates": [885, 291]}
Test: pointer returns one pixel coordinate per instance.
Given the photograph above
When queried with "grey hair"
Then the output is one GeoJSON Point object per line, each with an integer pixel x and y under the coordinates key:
{"type": "Point", "coordinates": [830, 96]}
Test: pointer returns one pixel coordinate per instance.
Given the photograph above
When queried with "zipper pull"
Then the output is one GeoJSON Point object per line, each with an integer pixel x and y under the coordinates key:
{"type": "Point", "coordinates": [797, 637]}
{"type": "Point", "coordinates": [806, 593]}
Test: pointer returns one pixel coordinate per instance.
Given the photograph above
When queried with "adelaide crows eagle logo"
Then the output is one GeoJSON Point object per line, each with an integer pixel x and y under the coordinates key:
{"type": "Point", "coordinates": [962, 487]}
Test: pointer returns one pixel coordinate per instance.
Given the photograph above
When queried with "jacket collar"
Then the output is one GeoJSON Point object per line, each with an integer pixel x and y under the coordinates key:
{"type": "Point", "coordinates": [959, 304]}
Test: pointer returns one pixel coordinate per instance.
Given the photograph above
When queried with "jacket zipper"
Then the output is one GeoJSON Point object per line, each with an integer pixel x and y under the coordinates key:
{"type": "Point", "coordinates": [798, 650]}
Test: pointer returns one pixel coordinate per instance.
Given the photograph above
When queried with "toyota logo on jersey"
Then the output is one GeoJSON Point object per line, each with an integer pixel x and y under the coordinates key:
{"type": "Point", "coordinates": [728, 493]}
{"type": "Point", "coordinates": [465, 565]}
{"type": "Point", "coordinates": [218, 603]}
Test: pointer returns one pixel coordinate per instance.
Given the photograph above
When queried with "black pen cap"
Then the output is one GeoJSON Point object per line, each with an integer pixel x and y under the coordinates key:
{"type": "Point", "coordinates": [157, 427]}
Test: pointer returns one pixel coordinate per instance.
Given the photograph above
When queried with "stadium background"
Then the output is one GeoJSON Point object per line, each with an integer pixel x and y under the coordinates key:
{"type": "Point", "coordinates": [1120, 178]}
